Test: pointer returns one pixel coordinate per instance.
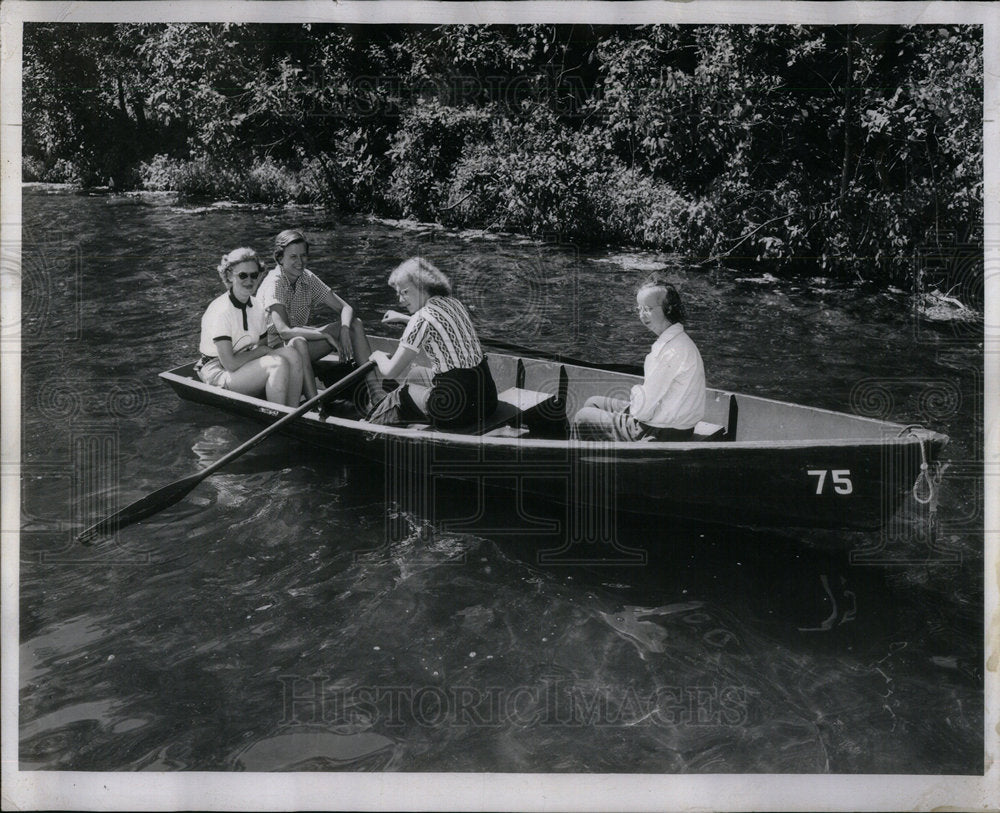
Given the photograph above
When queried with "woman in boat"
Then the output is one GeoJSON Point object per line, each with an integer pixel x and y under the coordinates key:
{"type": "Point", "coordinates": [671, 399]}
{"type": "Point", "coordinates": [461, 389]}
{"type": "Point", "coordinates": [289, 294]}
{"type": "Point", "coordinates": [232, 354]}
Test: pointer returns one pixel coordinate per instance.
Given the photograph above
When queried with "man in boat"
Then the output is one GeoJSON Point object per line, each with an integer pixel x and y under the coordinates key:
{"type": "Point", "coordinates": [290, 292]}
{"type": "Point", "coordinates": [671, 399]}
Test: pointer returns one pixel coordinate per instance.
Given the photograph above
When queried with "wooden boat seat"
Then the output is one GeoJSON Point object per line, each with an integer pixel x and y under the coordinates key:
{"type": "Point", "coordinates": [514, 407]}
{"type": "Point", "coordinates": [714, 431]}
{"type": "Point", "coordinates": [525, 400]}
{"type": "Point", "coordinates": [708, 431]}
{"type": "Point", "coordinates": [520, 409]}
{"type": "Point", "coordinates": [704, 430]}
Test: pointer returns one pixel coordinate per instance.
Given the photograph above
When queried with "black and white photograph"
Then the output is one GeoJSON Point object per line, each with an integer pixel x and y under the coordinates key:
{"type": "Point", "coordinates": [500, 406]}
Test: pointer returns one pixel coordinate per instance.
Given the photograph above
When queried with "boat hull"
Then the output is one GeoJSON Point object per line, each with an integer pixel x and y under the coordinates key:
{"type": "Point", "coordinates": [850, 483]}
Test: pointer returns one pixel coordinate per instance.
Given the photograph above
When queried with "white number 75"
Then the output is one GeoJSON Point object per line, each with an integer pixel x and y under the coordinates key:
{"type": "Point", "coordinates": [841, 479]}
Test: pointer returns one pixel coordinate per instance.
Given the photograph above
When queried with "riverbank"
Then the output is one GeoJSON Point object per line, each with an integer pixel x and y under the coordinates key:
{"type": "Point", "coordinates": [941, 301]}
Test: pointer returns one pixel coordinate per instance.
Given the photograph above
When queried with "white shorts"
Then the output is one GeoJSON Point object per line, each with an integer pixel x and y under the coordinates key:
{"type": "Point", "coordinates": [213, 373]}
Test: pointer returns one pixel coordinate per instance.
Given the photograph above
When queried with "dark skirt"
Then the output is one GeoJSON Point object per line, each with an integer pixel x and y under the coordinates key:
{"type": "Point", "coordinates": [462, 396]}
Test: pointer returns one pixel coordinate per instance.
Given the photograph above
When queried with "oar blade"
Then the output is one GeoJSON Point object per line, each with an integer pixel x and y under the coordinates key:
{"type": "Point", "coordinates": [175, 492]}
{"type": "Point", "coordinates": [145, 507]}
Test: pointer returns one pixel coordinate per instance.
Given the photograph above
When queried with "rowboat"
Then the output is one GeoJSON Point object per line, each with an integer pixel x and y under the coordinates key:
{"type": "Point", "coordinates": [752, 462]}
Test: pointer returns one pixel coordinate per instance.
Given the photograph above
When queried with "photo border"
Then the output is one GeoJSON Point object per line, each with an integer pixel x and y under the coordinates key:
{"type": "Point", "coordinates": [486, 791]}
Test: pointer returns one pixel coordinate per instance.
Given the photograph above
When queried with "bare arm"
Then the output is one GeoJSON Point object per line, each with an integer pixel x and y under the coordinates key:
{"type": "Point", "coordinates": [395, 366]}
{"type": "Point", "coordinates": [391, 317]}
{"type": "Point", "coordinates": [232, 360]}
{"type": "Point", "coordinates": [346, 317]}
{"type": "Point", "coordinates": [282, 324]}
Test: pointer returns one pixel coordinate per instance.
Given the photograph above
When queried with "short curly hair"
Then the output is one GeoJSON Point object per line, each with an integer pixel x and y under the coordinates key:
{"type": "Point", "coordinates": [423, 274]}
{"type": "Point", "coordinates": [235, 257]}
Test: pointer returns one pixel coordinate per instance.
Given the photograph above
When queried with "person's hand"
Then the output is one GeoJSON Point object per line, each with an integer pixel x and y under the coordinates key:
{"type": "Point", "coordinates": [394, 316]}
{"type": "Point", "coordinates": [380, 357]}
{"type": "Point", "coordinates": [346, 350]}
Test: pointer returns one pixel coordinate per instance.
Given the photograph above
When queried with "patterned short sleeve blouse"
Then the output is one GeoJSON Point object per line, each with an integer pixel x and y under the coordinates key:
{"type": "Point", "coordinates": [443, 329]}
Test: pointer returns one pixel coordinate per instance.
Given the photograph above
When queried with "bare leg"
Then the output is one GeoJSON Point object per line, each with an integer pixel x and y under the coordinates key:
{"type": "Point", "coordinates": [320, 347]}
{"type": "Point", "coordinates": [251, 378]}
{"type": "Point", "coordinates": [362, 352]}
{"type": "Point", "coordinates": [293, 391]}
{"type": "Point", "coordinates": [277, 379]}
{"type": "Point", "coordinates": [301, 347]}
{"type": "Point", "coordinates": [268, 375]}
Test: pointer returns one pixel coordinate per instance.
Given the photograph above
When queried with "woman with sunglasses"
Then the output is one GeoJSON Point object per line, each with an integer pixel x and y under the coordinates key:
{"type": "Point", "coordinates": [232, 354]}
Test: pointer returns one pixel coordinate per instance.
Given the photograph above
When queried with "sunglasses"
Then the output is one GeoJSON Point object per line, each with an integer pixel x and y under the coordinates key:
{"type": "Point", "coordinates": [245, 275]}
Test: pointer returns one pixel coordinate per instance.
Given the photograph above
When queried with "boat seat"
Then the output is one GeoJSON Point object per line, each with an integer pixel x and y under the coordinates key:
{"type": "Point", "coordinates": [514, 406]}
{"type": "Point", "coordinates": [505, 413]}
{"type": "Point", "coordinates": [525, 400]}
{"type": "Point", "coordinates": [714, 431]}
{"type": "Point", "coordinates": [704, 430]}
{"type": "Point", "coordinates": [708, 431]}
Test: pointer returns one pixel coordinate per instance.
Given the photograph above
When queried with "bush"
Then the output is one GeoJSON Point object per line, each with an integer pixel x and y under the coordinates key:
{"type": "Point", "coordinates": [638, 210]}
{"type": "Point", "coordinates": [160, 173]}
{"type": "Point", "coordinates": [201, 178]}
{"type": "Point", "coordinates": [64, 171]}
{"type": "Point", "coordinates": [528, 177]}
{"type": "Point", "coordinates": [353, 177]}
{"type": "Point", "coordinates": [424, 151]}
{"type": "Point", "coordinates": [538, 177]}
{"type": "Point", "coordinates": [32, 169]}
{"type": "Point", "coordinates": [268, 182]}
{"type": "Point", "coordinates": [265, 182]}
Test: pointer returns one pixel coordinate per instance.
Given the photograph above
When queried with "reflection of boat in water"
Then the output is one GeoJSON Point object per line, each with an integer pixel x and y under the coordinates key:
{"type": "Point", "coordinates": [753, 461]}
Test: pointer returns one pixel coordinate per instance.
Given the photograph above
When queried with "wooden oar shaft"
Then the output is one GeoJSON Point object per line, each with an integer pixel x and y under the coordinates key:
{"type": "Point", "coordinates": [176, 491]}
{"type": "Point", "coordinates": [346, 381]}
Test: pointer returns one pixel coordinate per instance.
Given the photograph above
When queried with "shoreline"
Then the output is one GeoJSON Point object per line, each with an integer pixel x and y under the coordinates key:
{"type": "Point", "coordinates": [935, 306]}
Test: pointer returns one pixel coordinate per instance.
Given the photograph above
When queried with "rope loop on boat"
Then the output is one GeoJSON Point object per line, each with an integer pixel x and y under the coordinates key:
{"type": "Point", "coordinates": [925, 483]}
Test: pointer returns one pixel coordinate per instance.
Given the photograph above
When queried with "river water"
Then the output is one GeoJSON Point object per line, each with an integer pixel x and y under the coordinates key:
{"type": "Point", "coordinates": [285, 617]}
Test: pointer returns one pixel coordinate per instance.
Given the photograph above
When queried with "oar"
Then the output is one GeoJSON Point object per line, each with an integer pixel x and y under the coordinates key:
{"type": "Point", "coordinates": [530, 351]}
{"type": "Point", "coordinates": [175, 491]}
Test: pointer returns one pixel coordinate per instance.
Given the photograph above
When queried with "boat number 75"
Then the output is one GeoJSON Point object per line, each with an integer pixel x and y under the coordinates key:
{"type": "Point", "coordinates": [841, 479]}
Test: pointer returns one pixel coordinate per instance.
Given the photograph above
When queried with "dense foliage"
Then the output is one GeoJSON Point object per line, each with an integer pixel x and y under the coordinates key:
{"type": "Point", "coordinates": [847, 148]}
